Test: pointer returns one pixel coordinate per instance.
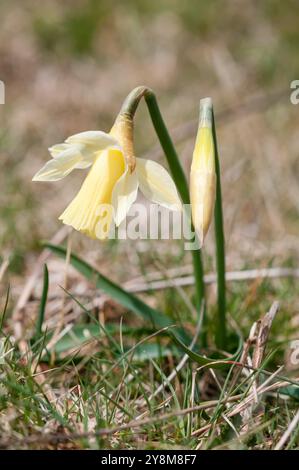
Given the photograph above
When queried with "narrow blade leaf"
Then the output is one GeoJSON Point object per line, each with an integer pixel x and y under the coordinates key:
{"type": "Point", "coordinates": [126, 299]}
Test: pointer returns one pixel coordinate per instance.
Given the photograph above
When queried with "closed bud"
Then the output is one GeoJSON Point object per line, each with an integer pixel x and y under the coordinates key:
{"type": "Point", "coordinates": [203, 176]}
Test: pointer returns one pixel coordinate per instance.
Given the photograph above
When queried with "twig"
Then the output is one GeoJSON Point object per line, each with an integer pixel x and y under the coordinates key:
{"type": "Point", "coordinates": [263, 333]}
{"type": "Point", "coordinates": [259, 339]}
{"type": "Point", "coordinates": [44, 438]}
{"type": "Point", "coordinates": [288, 432]}
{"type": "Point", "coordinates": [245, 403]}
{"type": "Point", "coordinates": [211, 278]}
{"type": "Point", "coordinates": [59, 437]}
{"type": "Point", "coordinates": [31, 282]}
{"type": "Point", "coordinates": [3, 268]}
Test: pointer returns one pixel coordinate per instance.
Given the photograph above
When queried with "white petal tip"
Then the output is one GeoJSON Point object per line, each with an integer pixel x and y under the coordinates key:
{"type": "Point", "coordinates": [206, 101]}
{"type": "Point", "coordinates": [177, 207]}
{"type": "Point", "coordinates": [205, 112]}
{"type": "Point", "coordinates": [38, 178]}
{"type": "Point", "coordinates": [45, 178]}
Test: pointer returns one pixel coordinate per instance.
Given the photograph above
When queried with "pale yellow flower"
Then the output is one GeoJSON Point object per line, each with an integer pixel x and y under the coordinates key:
{"type": "Point", "coordinates": [112, 183]}
{"type": "Point", "coordinates": [203, 176]}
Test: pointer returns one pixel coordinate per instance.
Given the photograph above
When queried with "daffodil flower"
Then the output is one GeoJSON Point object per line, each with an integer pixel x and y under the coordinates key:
{"type": "Point", "coordinates": [113, 180]}
{"type": "Point", "coordinates": [202, 175]}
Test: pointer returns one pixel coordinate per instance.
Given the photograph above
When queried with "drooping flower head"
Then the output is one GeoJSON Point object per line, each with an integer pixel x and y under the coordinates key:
{"type": "Point", "coordinates": [111, 186]}
{"type": "Point", "coordinates": [202, 175]}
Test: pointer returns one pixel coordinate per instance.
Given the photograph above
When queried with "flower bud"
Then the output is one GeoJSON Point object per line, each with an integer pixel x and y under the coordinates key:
{"type": "Point", "coordinates": [203, 176]}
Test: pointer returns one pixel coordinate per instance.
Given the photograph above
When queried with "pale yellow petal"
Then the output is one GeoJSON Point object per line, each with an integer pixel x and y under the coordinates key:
{"type": "Point", "coordinates": [203, 155]}
{"type": "Point", "coordinates": [87, 156]}
{"type": "Point", "coordinates": [58, 168]}
{"type": "Point", "coordinates": [57, 149]}
{"type": "Point", "coordinates": [202, 196]}
{"type": "Point", "coordinates": [94, 140]}
{"type": "Point", "coordinates": [124, 195]}
{"type": "Point", "coordinates": [156, 184]}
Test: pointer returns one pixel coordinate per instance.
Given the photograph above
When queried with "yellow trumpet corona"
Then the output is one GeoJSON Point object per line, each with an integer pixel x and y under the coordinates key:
{"type": "Point", "coordinates": [203, 175]}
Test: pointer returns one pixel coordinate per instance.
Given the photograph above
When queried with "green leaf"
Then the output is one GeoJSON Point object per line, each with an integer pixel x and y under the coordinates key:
{"type": "Point", "coordinates": [76, 337]}
{"type": "Point", "coordinates": [291, 391]}
{"type": "Point", "coordinates": [206, 361]}
{"type": "Point", "coordinates": [149, 351]}
{"type": "Point", "coordinates": [4, 308]}
{"type": "Point", "coordinates": [43, 302]}
{"type": "Point", "coordinates": [136, 305]}
{"type": "Point", "coordinates": [221, 326]}
{"type": "Point", "coordinates": [126, 299]}
{"type": "Point", "coordinates": [83, 333]}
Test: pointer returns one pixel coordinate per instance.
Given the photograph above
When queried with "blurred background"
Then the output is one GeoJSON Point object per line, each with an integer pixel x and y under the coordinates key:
{"type": "Point", "coordinates": [67, 67]}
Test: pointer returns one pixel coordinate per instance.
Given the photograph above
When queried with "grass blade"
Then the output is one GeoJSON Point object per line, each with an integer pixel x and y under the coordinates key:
{"type": "Point", "coordinates": [43, 302]}
{"type": "Point", "coordinates": [206, 361]}
{"type": "Point", "coordinates": [220, 251]}
{"type": "Point", "coordinates": [4, 308]}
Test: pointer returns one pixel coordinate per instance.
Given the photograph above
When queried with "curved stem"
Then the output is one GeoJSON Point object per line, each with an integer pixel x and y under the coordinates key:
{"type": "Point", "coordinates": [129, 107]}
{"type": "Point", "coordinates": [132, 101]}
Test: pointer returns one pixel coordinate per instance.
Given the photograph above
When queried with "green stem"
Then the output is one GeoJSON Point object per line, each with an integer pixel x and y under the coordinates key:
{"type": "Point", "coordinates": [168, 147]}
{"type": "Point", "coordinates": [129, 107]}
{"type": "Point", "coordinates": [179, 179]}
{"type": "Point", "coordinates": [220, 251]}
